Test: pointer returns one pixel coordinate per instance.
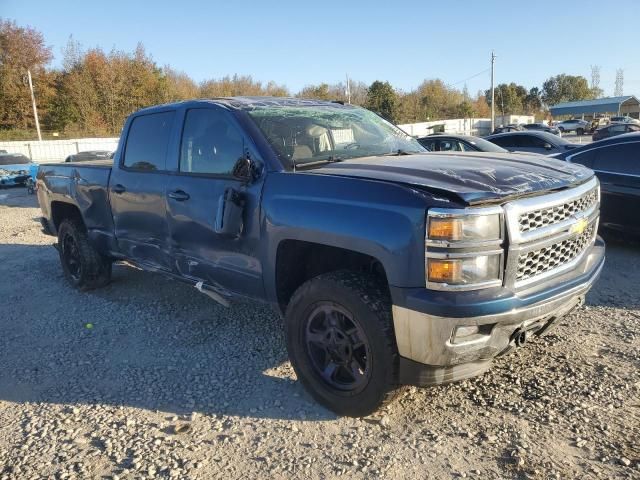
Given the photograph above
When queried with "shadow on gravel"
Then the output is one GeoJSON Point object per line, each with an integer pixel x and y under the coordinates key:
{"type": "Point", "coordinates": [618, 283]}
{"type": "Point", "coordinates": [143, 342]}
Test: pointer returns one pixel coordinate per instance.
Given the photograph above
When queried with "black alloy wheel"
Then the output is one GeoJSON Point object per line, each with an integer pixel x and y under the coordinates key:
{"type": "Point", "coordinates": [338, 347]}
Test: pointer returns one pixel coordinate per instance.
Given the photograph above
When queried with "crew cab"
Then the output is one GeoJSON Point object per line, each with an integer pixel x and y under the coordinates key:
{"type": "Point", "coordinates": [391, 265]}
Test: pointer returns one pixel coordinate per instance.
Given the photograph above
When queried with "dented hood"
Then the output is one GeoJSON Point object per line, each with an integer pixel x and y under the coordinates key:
{"type": "Point", "coordinates": [476, 177]}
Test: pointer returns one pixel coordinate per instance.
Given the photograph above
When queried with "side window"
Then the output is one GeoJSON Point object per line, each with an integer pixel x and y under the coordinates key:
{"type": "Point", "coordinates": [211, 143]}
{"type": "Point", "coordinates": [633, 128]}
{"type": "Point", "coordinates": [147, 142]}
{"type": "Point", "coordinates": [509, 141]}
{"type": "Point", "coordinates": [585, 158]}
{"type": "Point", "coordinates": [621, 158]}
{"type": "Point", "coordinates": [535, 142]}
{"type": "Point", "coordinates": [618, 128]}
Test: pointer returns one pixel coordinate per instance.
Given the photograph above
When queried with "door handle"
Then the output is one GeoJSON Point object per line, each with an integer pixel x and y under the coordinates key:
{"type": "Point", "coordinates": [179, 195]}
{"type": "Point", "coordinates": [117, 188]}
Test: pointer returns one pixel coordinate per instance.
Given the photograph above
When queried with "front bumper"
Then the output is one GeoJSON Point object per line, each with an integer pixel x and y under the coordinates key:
{"type": "Point", "coordinates": [442, 339]}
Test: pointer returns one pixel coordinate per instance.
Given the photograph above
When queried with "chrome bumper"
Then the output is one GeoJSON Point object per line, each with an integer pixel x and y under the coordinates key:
{"type": "Point", "coordinates": [434, 351]}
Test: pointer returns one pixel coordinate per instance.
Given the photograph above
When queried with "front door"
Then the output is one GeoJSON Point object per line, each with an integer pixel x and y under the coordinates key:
{"type": "Point", "coordinates": [137, 190]}
{"type": "Point", "coordinates": [211, 144]}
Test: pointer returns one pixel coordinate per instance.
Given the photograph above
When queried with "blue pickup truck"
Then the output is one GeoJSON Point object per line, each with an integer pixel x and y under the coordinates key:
{"type": "Point", "coordinates": [391, 265]}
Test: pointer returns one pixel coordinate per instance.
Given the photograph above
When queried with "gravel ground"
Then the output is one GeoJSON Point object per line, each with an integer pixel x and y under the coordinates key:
{"type": "Point", "coordinates": [148, 378]}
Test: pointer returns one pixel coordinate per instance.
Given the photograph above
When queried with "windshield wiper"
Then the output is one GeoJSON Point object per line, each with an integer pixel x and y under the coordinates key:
{"type": "Point", "coordinates": [399, 152]}
{"type": "Point", "coordinates": [329, 159]}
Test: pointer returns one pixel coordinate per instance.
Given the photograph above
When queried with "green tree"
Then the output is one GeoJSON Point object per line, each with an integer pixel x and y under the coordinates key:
{"type": "Point", "coordinates": [566, 88]}
{"type": "Point", "coordinates": [382, 99]}
{"type": "Point", "coordinates": [510, 98]}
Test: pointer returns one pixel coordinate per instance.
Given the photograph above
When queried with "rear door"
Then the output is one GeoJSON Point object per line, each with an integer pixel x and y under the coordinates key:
{"type": "Point", "coordinates": [618, 169]}
{"type": "Point", "coordinates": [137, 189]}
{"type": "Point", "coordinates": [211, 144]}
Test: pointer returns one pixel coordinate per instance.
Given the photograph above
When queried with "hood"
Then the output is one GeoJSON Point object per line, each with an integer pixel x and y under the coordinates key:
{"type": "Point", "coordinates": [474, 177]}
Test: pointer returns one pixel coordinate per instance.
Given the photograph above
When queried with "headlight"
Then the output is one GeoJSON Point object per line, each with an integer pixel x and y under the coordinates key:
{"type": "Point", "coordinates": [463, 227]}
{"type": "Point", "coordinates": [463, 248]}
{"type": "Point", "coordinates": [472, 270]}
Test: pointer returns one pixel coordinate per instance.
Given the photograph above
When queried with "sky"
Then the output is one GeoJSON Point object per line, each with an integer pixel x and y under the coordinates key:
{"type": "Point", "coordinates": [298, 43]}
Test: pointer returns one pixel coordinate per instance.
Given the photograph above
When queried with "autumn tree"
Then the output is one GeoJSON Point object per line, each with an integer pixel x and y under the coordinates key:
{"type": "Point", "coordinates": [22, 49]}
{"type": "Point", "coordinates": [238, 85]}
{"type": "Point", "coordinates": [566, 88]}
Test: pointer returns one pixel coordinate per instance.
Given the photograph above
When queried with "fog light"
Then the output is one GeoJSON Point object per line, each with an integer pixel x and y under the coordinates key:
{"type": "Point", "coordinates": [466, 331]}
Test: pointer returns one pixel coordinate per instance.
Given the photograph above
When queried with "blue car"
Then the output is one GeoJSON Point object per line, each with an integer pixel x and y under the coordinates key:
{"type": "Point", "coordinates": [17, 169]}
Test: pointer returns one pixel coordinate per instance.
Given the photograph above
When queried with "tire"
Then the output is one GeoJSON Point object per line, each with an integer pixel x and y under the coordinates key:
{"type": "Point", "coordinates": [83, 266]}
{"type": "Point", "coordinates": [352, 373]}
{"type": "Point", "coordinates": [580, 132]}
{"type": "Point", "coordinates": [561, 129]}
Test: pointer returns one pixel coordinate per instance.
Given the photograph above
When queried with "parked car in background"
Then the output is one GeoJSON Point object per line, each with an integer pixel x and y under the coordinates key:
{"type": "Point", "coordinates": [17, 169]}
{"type": "Point", "coordinates": [535, 142]}
{"type": "Point", "coordinates": [614, 129]}
{"type": "Point", "coordinates": [458, 143]}
{"type": "Point", "coordinates": [90, 155]}
{"type": "Point", "coordinates": [391, 265]}
{"type": "Point", "coordinates": [541, 127]}
{"type": "Point", "coordinates": [574, 125]}
{"type": "Point", "coordinates": [625, 120]}
{"type": "Point", "coordinates": [616, 162]}
{"type": "Point", "coordinates": [508, 128]}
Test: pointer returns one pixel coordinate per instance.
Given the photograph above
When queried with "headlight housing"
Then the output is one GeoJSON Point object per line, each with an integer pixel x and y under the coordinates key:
{"type": "Point", "coordinates": [463, 248]}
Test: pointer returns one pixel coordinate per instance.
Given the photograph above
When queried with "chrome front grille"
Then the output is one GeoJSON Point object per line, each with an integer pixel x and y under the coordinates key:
{"type": "Point", "coordinates": [536, 262]}
{"type": "Point", "coordinates": [552, 215]}
{"type": "Point", "coordinates": [550, 233]}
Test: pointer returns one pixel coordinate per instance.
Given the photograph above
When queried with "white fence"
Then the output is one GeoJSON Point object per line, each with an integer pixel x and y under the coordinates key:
{"type": "Point", "coordinates": [464, 126]}
{"type": "Point", "coordinates": [52, 151]}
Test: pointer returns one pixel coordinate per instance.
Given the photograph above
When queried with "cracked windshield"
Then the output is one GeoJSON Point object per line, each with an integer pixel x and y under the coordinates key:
{"type": "Point", "coordinates": [311, 135]}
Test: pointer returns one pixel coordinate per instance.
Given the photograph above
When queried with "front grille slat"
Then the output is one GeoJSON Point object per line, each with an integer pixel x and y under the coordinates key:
{"type": "Point", "coordinates": [548, 258]}
{"type": "Point", "coordinates": [535, 219]}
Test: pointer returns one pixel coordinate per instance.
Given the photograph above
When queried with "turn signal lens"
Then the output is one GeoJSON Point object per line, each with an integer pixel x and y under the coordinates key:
{"type": "Point", "coordinates": [444, 271]}
{"type": "Point", "coordinates": [445, 229]}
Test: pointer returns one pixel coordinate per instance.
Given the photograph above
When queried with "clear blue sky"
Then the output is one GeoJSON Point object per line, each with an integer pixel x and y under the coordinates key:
{"type": "Point", "coordinates": [297, 43]}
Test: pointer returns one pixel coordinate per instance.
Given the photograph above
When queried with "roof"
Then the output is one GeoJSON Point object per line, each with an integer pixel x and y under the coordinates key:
{"type": "Point", "coordinates": [249, 103]}
{"type": "Point", "coordinates": [598, 105]}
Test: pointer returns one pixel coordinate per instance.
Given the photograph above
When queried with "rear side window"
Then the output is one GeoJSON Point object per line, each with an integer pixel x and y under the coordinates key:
{"type": "Point", "coordinates": [532, 142]}
{"type": "Point", "coordinates": [148, 141]}
{"type": "Point", "coordinates": [211, 143]}
{"type": "Point", "coordinates": [585, 158]}
{"type": "Point", "coordinates": [509, 141]}
{"type": "Point", "coordinates": [621, 158]}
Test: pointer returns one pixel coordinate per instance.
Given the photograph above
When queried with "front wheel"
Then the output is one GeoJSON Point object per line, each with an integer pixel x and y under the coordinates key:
{"type": "Point", "coordinates": [341, 342]}
{"type": "Point", "coordinates": [83, 266]}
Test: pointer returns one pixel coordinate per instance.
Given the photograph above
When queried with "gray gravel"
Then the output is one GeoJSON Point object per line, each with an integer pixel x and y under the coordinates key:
{"type": "Point", "coordinates": [147, 378]}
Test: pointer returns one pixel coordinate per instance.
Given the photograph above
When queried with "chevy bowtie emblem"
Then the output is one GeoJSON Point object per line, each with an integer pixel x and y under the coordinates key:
{"type": "Point", "coordinates": [579, 226]}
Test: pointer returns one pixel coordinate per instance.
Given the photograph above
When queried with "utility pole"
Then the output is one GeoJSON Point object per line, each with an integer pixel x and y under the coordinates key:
{"type": "Point", "coordinates": [493, 103]}
{"type": "Point", "coordinates": [33, 102]}
{"type": "Point", "coordinates": [348, 90]}
{"type": "Point", "coordinates": [619, 88]}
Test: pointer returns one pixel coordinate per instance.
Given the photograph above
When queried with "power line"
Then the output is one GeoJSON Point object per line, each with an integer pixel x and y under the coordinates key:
{"type": "Point", "coordinates": [469, 78]}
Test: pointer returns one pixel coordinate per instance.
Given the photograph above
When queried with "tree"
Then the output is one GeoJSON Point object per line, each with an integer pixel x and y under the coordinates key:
{"type": "Point", "coordinates": [533, 102]}
{"type": "Point", "coordinates": [510, 98]}
{"type": "Point", "coordinates": [320, 92]}
{"type": "Point", "coordinates": [382, 99]}
{"type": "Point", "coordinates": [566, 88]}
{"type": "Point", "coordinates": [22, 49]}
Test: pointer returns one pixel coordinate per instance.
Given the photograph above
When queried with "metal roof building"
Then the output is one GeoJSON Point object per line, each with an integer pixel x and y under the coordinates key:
{"type": "Point", "coordinates": [625, 105]}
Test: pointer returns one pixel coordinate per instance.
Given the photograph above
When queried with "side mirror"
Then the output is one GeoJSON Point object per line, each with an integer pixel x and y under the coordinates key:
{"type": "Point", "coordinates": [547, 146]}
{"type": "Point", "coordinates": [246, 168]}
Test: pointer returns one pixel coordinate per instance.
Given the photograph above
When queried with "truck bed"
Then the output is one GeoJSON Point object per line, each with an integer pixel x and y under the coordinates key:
{"type": "Point", "coordinates": [83, 184]}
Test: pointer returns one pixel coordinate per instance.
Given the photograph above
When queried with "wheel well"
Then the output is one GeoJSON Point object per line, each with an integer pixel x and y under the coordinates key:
{"type": "Point", "coordinates": [298, 261]}
{"type": "Point", "coordinates": [61, 211]}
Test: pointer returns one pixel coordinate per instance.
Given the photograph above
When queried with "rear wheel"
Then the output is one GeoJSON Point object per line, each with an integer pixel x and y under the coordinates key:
{"type": "Point", "coordinates": [83, 266]}
{"type": "Point", "coordinates": [341, 342]}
